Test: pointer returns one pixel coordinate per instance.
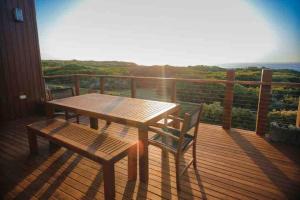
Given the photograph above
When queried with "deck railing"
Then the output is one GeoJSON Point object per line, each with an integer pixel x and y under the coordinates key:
{"type": "Point", "coordinates": [230, 102]}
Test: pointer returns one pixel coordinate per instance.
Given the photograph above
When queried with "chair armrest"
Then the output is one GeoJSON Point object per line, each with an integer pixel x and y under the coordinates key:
{"type": "Point", "coordinates": [163, 123]}
{"type": "Point", "coordinates": [163, 133]}
{"type": "Point", "coordinates": [59, 114]}
{"type": "Point", "coordinates": [175, 118]}
{"type": "Point", "coordinates": [167, 121]}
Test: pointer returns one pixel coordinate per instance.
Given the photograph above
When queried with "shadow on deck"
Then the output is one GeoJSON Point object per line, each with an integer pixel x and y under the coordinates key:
{"type": "Point", "coordinates": [231, 164]}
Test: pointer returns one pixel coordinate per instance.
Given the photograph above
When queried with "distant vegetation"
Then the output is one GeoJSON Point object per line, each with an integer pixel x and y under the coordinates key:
{"type": "Point", "coordinates": [51, 67]}
{"type": "Point", "coordinates": [284, 100]}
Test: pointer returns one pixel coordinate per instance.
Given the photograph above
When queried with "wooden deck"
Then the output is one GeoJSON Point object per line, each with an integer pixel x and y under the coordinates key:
{"type": "Point", "coordinates": [231, 165]}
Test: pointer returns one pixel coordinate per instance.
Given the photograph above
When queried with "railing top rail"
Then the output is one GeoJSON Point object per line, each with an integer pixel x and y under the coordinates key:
{"type": "Point", "coordinates": [141, 78]}
{"type": "Point", "coordinates": [58, 76]}
{"type": "Point", "coordinates": [282, 84]}
{"type": "Point", "coordinates": [286, 84]}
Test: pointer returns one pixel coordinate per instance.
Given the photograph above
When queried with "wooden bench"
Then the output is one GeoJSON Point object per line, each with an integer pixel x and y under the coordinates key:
{"type": "Point", "coordinates": [104, 148]}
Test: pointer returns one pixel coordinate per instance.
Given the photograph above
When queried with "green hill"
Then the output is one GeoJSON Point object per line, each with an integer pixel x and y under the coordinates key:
{"type": "Point", "coordinates": [54, 67]}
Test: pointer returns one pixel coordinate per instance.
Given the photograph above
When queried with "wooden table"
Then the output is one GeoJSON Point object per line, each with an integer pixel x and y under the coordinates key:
{"type": "Point", "coordinates": [129, 111]}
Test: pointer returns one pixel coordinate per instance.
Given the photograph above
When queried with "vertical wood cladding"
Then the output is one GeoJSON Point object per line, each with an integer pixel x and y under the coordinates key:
{"type": "Point", "coordinates": [20, 64]}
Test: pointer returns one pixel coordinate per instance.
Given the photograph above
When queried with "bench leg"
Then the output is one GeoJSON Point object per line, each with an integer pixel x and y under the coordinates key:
{"type": "Point", "coordinates": [32, 140]}
{"type": "Point", "coordinates": [53, 147]}
{"type": "Point", "coordinates": [109, 181]}
{"type": "Point", "coordinates": [143, 154]}
{"type": "Point", "coordinates": [108, 123]}
{"type": "Point", "coordinates": [94, 123]}
{"type": "Point", "coordinates": [77, 119]}
{"type": "Point", "coordinates": [132, 163]}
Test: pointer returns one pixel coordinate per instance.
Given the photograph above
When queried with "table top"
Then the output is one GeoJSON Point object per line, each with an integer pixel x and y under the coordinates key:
{"type": "Point", "coordinates": [131, 111]}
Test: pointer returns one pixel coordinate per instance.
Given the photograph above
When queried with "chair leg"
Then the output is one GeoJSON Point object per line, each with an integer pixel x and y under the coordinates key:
{"type": "Point", "coordinates": [109, 181]}
{"type": "Point", "coordinates": [194, 156]}
{"type": "Point", "coordinates": [66, 115]}
{"type": "Point", "coordinates": [177, 173]}
{"type": "Point", "coordinates": [53, 147]}
{"type": "Point", "coordinates": [132, 163]}
{"type": "Point", "coordinates": [77, 119]}
{"type": "Point", "coordinates": [32, 140]}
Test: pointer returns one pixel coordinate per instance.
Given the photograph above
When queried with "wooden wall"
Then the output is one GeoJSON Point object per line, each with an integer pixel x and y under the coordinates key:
{"type": "Point", "coordinates": [20, 64]}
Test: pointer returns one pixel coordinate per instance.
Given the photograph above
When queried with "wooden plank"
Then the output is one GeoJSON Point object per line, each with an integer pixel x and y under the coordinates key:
{"type": "Point", "coordinates": [233, 164]}
{"type": "Point", "coordinates": [254, 83]}
{"type": "Point", "coordinates": [118, 109]}
{"type": "Point", "coordinates": [104, 147]}
{"type": "Point", "coordinates": [20, 60]}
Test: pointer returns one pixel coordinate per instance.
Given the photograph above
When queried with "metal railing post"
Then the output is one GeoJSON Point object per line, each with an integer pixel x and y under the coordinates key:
{"type": "Point", "coordinates": [101, 79]}
{"type": "Point", "coordinates": [77, 84]}
{"type": "Point", "coordinates": [133, 87]}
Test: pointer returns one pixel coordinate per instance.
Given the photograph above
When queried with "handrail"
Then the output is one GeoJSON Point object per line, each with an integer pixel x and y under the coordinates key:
{"type": "Point", "coordinates": [285, 84]}
{"type": "Point", "coordinates": [289, 84]}
{"type": "Point", "coordinates": [265, 85]}
{"type": "Point", "coordinates": [59, 76]}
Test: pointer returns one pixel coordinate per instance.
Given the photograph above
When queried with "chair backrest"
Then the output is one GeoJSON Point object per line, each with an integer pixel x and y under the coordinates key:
{"type": "Point", "coordinates": [191, 120]}
{"type": "Point", "coordinates": [60, 93]}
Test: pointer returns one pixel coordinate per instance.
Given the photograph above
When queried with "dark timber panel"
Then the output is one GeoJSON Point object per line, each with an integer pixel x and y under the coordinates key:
{"type": "Point", "coordinates": [20, 65]}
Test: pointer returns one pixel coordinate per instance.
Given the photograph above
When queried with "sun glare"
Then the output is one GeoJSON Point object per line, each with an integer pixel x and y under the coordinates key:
{"type": "Point", "coordinates": [161, 32]}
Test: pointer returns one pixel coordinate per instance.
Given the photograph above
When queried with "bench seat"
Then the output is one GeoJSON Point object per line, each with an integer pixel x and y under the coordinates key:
{"type": "Point", "coordinates": [104, 147]}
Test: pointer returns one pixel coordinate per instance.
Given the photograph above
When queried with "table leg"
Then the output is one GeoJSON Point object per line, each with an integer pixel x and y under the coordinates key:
{"type": "Point", "coordinates": [132, 163]}
{"type": "Point", "coordinates": [109, 181]}
{"type": "Point", "coordinates": [50, 114]}
{"type": "Point", "coordinates": [143, 154]}
{"type": "Point", "coordinates": [33, 145]}
{"type": "Point", "coordinates": [93, 123]}
{"type": "Point", "coordinates": [49, 111]}
{"type": "Point", "coordinates": [176, 123]}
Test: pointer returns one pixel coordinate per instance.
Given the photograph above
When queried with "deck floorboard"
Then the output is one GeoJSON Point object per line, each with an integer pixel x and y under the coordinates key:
{"type": "Point", "coordinates": [235, 164]}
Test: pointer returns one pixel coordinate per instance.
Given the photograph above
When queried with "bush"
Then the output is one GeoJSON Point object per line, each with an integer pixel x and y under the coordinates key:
{"type": "Point", "coordinates": [289, 134]}
{"type": "Point", "coordinates": [212, 113]}
{"type": "Point", "coordinates": [243, 118]}
{"type": "Point", "coordinates": [283, 116]}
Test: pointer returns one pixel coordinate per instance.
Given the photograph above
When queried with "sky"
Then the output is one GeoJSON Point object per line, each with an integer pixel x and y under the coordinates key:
{"type": "Point", "coordinates": [173, 32]}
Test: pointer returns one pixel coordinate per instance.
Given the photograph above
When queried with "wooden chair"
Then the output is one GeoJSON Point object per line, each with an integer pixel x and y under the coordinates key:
{"type": "Point", "coordinates": [60, 93]}
{"type": "Point", "coordinates": [178, 141]}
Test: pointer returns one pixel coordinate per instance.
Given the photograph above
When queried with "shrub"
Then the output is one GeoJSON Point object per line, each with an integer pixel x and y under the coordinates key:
{"type": "Point", "coordinates": [283, 116]}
